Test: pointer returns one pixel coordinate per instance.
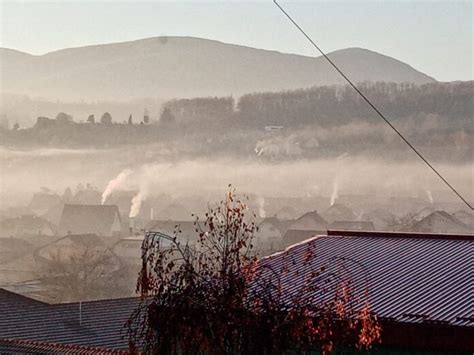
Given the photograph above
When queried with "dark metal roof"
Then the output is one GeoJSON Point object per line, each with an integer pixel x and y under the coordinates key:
{"type": "Point", "coordinates": [104, 318]}
{"type": "Point", "coordinates": [413, 277]}
{"type": "Point", "coordinates": [402, 235]}
{"type": "Point", "coordinates": [92, 323]}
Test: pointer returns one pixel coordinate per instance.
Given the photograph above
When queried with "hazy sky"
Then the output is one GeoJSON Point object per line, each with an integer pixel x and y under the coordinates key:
{"type": "Point", "coordinates": [434, 37]}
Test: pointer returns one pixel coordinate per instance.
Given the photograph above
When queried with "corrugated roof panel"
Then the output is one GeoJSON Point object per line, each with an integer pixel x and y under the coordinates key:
{"type": "Point", "coordinates": [430, 277]}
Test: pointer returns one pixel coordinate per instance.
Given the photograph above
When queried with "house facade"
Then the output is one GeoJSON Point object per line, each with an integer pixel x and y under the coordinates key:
{"type": "Point", "coordinates": [102, 220]}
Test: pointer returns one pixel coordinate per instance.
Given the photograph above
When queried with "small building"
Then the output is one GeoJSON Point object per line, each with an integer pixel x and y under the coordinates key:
{"type": "Point", "coordinates": [441, 222]}
{"type": "Point", "coordinates": [185, 231]}
{"type": "Point", "coordinates": [26, 226]}
{"type": "Point", "coordinates": [466, 217]}
{"type": "Point", "coordinates": [380, 217]}
{"type": "Point", "coordinates": [304, 227]}
{"type": "Point", "coordinates": [294, 236]}
{"type": "Point", "coordinates": [273, 128]}
{"type": "Point", "coordinates": [73, 244]}
{"type": "Point", "coordinates": [271, 231]}
{"type": "Point", "coordinates": [309, 221]}
{"type": "Point", "coordinates": [339, 212]}
{"type": "Point", "coordinates": [129, 249]}
{"type": "Point", "coordinates": [102, 220]}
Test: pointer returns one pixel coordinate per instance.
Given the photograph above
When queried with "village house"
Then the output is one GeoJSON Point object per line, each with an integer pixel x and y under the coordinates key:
{"type": "Point", "coordinates": [309, 221]}
{"type": "Point", "coordinates": [441, 222]}
{"type": "Point", "coordinates": [338, 212]}
{"type": "Point", "coordinates": [466, 217]}
{"type": "Point", "coordinates": [306, 226]}
{"type": "Point", "coordinates": [293, 236]}
{"type": "Point", "coordinates": [73, 244]}
{"type": "Point", "coordinates": [26, 226]}
{"type": "Point", "coordinates": [185, 231]}
{"type": "Point", "coordinates": [380, 217]}
{"type": "Point", "coordinates": [129, 250]}
{"type": "Point", "coordinates": [102, 220]}
{"type": "Point", "coordinates": [271, 231]}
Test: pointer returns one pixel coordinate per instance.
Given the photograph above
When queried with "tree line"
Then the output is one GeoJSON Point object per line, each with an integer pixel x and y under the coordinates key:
{"type": "Point", "coordinates": [428, 113]}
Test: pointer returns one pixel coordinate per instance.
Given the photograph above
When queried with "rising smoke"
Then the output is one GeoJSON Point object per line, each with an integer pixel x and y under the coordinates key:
{"type": "Point", "coordinates": [137, 201]}
{"type": "Point", "coordinates": [261, 207]}
{"type": "Point", "coordinates": [430, 196]}
{"type": "Point", "coordinates": [115, 184]}
{"type": "Point", "coordinates": [335, 192]}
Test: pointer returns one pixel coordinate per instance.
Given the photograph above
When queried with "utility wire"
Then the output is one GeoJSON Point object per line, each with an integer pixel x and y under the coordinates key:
{"type": "Point", "coordinates": [381, 115]}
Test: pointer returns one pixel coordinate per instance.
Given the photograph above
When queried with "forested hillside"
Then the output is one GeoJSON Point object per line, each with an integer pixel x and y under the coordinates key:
{"type": "Point", "coordinates": [321, 121]}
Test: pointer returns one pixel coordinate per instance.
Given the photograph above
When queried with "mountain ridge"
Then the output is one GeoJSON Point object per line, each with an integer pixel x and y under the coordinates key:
{"type": "Point", "coordinates": [186, 67]}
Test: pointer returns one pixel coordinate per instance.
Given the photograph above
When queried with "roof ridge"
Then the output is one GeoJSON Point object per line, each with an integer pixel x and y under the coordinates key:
{"type": "Point", "coordinates": [402, 235]}
{"type": "Point", "coordinates": [292, 246]}
{"type": "Point", "coordinates": [23, 297]}
{"type": "Point", "coordinates": [94, 301]}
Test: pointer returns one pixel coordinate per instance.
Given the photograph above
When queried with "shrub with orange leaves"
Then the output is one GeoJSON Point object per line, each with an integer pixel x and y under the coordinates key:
{"type": "Point", "coordinates": [216, 297]}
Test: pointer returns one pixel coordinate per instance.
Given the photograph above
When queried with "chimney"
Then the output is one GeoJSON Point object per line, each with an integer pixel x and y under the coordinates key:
{"type": "Point", "coordinates": [131, 223]}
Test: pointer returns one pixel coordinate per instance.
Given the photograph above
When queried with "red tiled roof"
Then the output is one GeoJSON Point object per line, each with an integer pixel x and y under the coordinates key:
{"type": "Point", "coordinates": [15, 346]}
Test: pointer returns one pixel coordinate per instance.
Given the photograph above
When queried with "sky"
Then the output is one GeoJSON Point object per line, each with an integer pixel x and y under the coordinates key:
{"type": "Point", "coordinates": [433, 37]}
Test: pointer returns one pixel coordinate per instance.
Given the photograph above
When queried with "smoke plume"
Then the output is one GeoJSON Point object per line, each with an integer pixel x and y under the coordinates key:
{"type": "Point", "coordinates": [261, 207]}
{"type": "Point", "coordinates": [430, 196]}
{"type": "Point", "coordinates": [115, 184]}
{"type": "Point", "coordinates": [137, 201]}
{"type": "Point", "coordinates": [335, 192]}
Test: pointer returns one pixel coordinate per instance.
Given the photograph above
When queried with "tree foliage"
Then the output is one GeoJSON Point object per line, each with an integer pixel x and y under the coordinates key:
{"type": "Point", "coordinates": [106, 119]}
{"type": "Point", "coordinates": [87, 273]}
{"type": "Point", "coordinates": [404, 223]}
{"type": "Point", "coordinates": [219, 298]}
{"type": "Point", "coordinates": [167, 116]}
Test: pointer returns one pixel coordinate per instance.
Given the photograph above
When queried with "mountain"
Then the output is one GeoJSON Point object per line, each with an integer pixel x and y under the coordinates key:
{"type": "Point", "coordinates": [185, 67]}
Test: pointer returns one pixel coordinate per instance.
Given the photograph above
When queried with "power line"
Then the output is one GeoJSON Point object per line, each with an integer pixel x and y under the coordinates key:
{"type": "Point", "coordinates": [381, 115]}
